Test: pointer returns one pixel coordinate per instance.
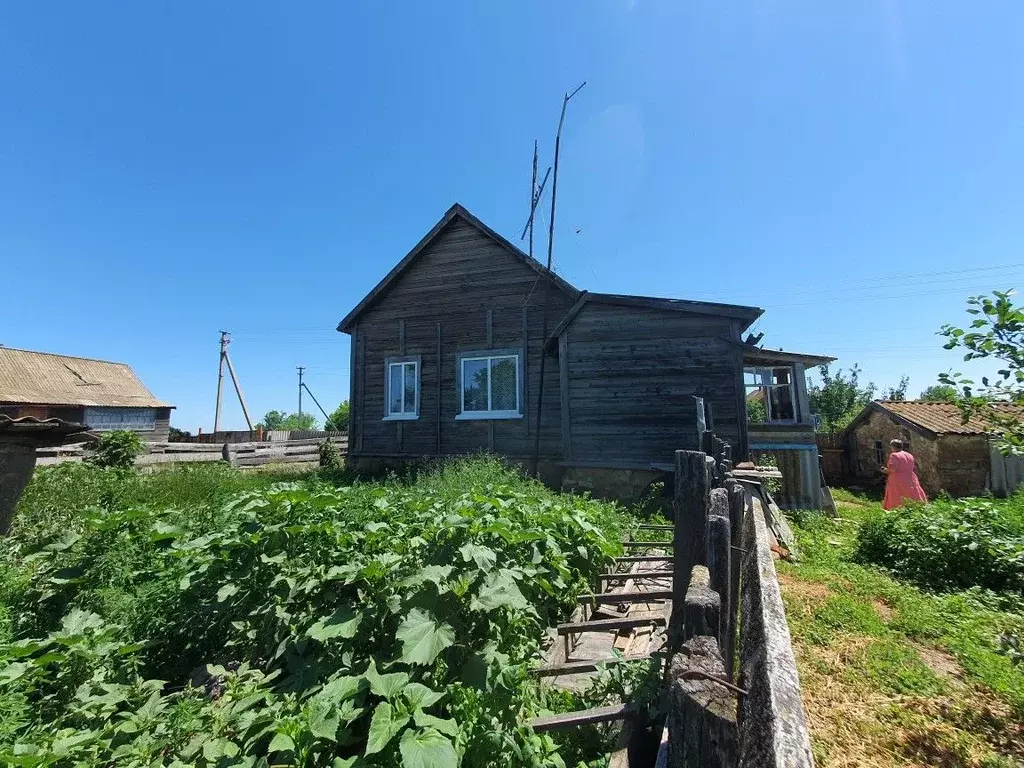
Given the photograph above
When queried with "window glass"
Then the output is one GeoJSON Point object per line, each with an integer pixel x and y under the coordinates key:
{"type": "Point", "coordinates": [503, 384]}
{"type": "Point", "coordinates": [781, 403]}
{"type": "Point", "coordinates": [474, 384]}
{"type": "Point", "coordinates": [395, 390]}
{"type": "Point", "coordinates": [770, 395]}
{"type": "Point", "coordinates": [138, 419]}
{"type": "Point", "coordinates": [410, 387]}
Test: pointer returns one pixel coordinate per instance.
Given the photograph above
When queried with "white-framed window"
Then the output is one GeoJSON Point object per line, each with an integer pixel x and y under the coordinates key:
{"type": "Point", "coordinates": [490, 384]}
{"type": "Point", "coordinates": [107, 419]}
{"type": "Point", "coordinates": [771, 397]}
{"type": "Point", "coordinates": [401, 388]}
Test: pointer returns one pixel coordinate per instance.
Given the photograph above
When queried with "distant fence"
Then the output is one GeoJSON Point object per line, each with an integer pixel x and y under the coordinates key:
{"type": "Point", "coordinates": [258, 435]}
{"type": "Point", "coordinates": [238, 454]}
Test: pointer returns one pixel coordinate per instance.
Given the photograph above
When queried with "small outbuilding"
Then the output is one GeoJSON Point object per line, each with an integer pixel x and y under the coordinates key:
{"type": "Point", "coordinates": [99, 393]}
{"type": "Point", "coordinates": [952, 455]}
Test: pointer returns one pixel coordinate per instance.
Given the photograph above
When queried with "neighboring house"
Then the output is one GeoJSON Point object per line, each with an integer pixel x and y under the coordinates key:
{"type": "Point", "coordinates": [446, 358]}
{"type": "Point", "coordinates": [951, 455]}
{"type": "Point", "coordinates": [102, 394]}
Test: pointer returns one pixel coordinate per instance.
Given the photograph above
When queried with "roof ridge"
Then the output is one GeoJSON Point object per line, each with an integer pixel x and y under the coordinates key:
{"type": "Point", "coordinates": [60, 354]}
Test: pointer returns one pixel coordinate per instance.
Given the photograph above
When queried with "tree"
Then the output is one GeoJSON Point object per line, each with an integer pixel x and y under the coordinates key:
{"type": "Point", "coordinates": [838, 398]}
{"type": "Point", "coordinates": [899, 392]}
{"type": "Point", "coordinates": [339, 418]}
{"type": "Point", "coordinates": [939, 393]}
{"type": "Point", "coordinates": [997, 333]}
{"type": "Point", "coordinates": [281, 420]}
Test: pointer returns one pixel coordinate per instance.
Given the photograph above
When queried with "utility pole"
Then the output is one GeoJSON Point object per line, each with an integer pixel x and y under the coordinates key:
{"type": "Point", "coordinates": [547, 286]}
{"type": "Point", "coordinates": [220, 379]}
{"type": "Point", "coordinates": [225, 359]}
{"type": "Point", "coordinates": [300, 369]}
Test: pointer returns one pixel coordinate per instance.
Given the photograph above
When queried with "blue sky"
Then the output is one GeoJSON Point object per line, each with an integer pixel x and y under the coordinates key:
{"type": "Point", "coordinates": [168, 170]}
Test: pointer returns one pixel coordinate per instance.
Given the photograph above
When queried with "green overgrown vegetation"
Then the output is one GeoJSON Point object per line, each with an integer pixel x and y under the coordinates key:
{"type": "Point", "coordinates": [898, 673]}
{"type": "Point", "coordinates": [200, 617]}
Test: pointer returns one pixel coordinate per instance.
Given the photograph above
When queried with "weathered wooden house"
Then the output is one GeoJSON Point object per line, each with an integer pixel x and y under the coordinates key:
{"type": "Point", "coordinates": [951, 455]}
{"type": "Point", "coordinates": [446, 359]}
{"type": "Point", "coordinates": [102, 394]}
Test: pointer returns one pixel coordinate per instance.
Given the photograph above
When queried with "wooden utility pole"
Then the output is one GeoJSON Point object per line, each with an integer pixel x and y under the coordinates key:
{"type": "Point", "coordinates": [225, 359]}
{"type": "Point", "coordinates": [300, 369]}
{"type": "Point", "coordinates": [220, 379]}
{"type": "Point", "coordinates": [547, 285]}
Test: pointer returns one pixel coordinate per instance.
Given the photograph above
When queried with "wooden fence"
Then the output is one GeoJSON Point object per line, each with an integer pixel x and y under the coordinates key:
{"type": "Point", "coordinates": [260, 435]}
{"type": "Point", "coordinates": [240, 454]}
{"type": "Point", "coordinates": [720, 716]}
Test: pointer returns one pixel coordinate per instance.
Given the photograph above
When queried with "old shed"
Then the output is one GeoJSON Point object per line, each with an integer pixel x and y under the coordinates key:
{"type": "Point", "coordinates": [102, 394]}
{"type": "Point", "coordinates": [952, 455]}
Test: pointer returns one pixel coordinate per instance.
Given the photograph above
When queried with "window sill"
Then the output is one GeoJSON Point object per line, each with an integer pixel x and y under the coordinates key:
{"type": "Point", "coordinates": [402, 417]}
{"type": "Point", "coordinates": [488, 415]}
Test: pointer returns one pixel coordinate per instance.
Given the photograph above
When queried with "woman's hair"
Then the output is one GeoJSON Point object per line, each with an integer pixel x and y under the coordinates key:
{"type": "Point", "coordinates": [897, 444]}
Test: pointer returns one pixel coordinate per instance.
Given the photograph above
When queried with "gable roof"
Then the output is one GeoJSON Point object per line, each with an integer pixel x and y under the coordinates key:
{"type": "Point", "coordinates": [455, 212]}
{"type": "Point", "coordinates": [47, 379]}
{"type": "Point", "coordinates": [933, 418]}
{"type": "Point", "coordinates": [747, 314]}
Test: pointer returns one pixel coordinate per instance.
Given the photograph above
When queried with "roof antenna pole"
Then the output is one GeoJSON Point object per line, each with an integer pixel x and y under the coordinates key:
{"type": "Point", "coordinates": [547, 283]}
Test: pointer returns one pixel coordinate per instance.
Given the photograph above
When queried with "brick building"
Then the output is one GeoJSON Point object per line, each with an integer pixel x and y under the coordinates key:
{"type": "Point", "coordinates": [951, 455]}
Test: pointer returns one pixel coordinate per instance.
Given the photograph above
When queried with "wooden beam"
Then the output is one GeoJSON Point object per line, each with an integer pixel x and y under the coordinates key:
{"type": "Point", "coordinates": [563, 385]}
{"type": "Point", "coordinates": [650, 527]}
{"type": "Point", "coordinates": [636, 575]}
{"type": "Point", "coordinates": [575, 667]}
{"type": "Point", "coordinates": [611, 598]}
{"type": "Point", "coordinates": [664, 544]}
{"type": "Point", "coordinates": [584, 717]}
{"type": "Point", "coordinates": [604, 625]}
{"type": "Point", "coordinates": [644, 559]}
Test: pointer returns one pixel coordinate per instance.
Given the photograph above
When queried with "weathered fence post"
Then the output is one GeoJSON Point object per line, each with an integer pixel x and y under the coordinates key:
{"type": "Point", "coordinates": [737, 507]}
{"type": "Point", "coordinates": [720, 561]}
{"type": "Point", "coordinates": [225, 452]}
{"type": "Point", "coordinates": [702, 608]}
{"type": "Point", "coordinates": [690, 535]}
{"type": "Point", "coordinates": [702, 712]}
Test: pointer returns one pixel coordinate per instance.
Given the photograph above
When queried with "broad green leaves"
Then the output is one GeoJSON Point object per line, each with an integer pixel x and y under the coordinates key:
{"type": "Point", "coordinates": [499, 590]}
{"type": "Point", "coordinates": [422, 638]}
{"type": "Point", "coordinates": [343, 623]}
{"type": "Point", "coordinates": [385, 725]}
{"type": "Point", "coordinates": [387, 686]}
{"type": "Point", "coordinates": [427, 749]}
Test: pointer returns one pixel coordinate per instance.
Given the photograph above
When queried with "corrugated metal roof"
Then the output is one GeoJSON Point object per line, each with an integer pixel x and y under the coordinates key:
{"type": "Point", "coordinates": [47, 379]}
{"type": "Point", "coordinates": [944, 418]}
{"type": "Point", "coordinates": [31, 430]}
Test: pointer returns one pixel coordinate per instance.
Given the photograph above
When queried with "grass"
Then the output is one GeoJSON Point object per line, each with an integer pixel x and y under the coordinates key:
{"type": "Point", "coordinates": [893, 674]}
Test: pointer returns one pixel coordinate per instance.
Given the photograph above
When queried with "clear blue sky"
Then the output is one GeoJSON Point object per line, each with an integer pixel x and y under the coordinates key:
{"type": "Point", "coordinates": [171, 169]}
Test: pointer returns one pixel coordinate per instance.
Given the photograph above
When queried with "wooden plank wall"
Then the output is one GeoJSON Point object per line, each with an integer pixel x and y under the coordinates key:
{"type": "Point", "coordinates": [633, 376]}
{"type": "Point", "coordinates": [464, 289]}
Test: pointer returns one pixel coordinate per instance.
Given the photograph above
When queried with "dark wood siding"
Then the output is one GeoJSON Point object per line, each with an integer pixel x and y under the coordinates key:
{"type": "Point", "coordinates": [633, 374]}
{"type": "Point", "coordinates": [472, 292]}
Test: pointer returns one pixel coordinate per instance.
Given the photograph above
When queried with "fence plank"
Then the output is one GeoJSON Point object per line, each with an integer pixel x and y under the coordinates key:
{"type": "Point", "coordinates": [702, 712]}
{"type": "Point", "coordinates": [689, 542]}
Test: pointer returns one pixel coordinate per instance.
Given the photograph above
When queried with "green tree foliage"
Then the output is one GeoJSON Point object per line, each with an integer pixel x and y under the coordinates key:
{"type": "Point", "coordinates": [838, 398]}
{"type": "Point", "coordinates": [116, 449]}
{"type": "Point", "coordinates": [899, 392]}
{"type": "Point", "coordinates": [282, 420]}
{"type": "Point", "coordinates": [756, 412]}
{"type": "Point", "coordinates": [176, 434]}
{"type": "Point", "coordinates": [939, 393]}
{"type": "Point", "coordinates": [339, 418]}
{"type": "Point", "coordinates": [996, 333]}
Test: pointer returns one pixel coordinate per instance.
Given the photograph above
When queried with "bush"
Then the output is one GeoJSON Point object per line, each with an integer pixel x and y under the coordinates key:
{"type": "Point", "coordinates": [116, 449]}
{"type": "Point", "coordinates": [330, 456]}
{"type": "Point", "coordinates": [300, 624]}
{"type": "Point", "coordinates": [949, 544]}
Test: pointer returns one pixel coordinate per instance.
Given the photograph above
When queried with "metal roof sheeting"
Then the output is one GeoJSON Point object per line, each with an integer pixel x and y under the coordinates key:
{"type": "Point", "coordinates": [944, 418]}
{"type": "Point", "coordinates": [46, 379]}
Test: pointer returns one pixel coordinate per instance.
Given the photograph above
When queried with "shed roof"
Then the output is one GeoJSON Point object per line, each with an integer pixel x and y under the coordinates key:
{"type": "Point", "coordinates": [42, 432]}
{"type": "Point", "coordinates": [764, 356]}
{"type": "Point", "coordinates": [934, 418]}
{"type": "Point", "coordinates": [456, 211]}
{"type": "Point", "coordinates": [739, 311]}
{"type": "Point", "coordinates": [44, 378]}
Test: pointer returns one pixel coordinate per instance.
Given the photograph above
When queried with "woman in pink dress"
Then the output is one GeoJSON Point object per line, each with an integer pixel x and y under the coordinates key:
{"type": "Point", "coordinates": [902, 483]}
